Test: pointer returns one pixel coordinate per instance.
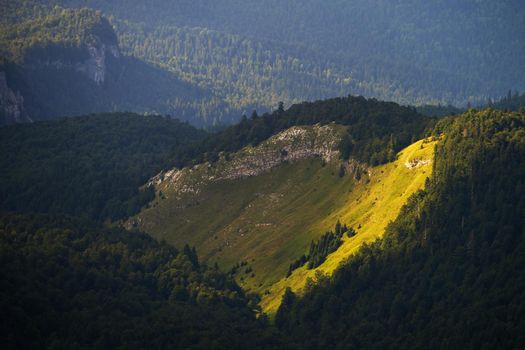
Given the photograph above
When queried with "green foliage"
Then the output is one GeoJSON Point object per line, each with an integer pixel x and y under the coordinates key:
{"type": "Point", "coordinates": [253, 54]}
{"type": "Point", "coordinates": [408, 51]}
{"type": "Point", "coordinates": [45, 47]}
{"type": "Point", "coordinates": [371, 126]}
{"type": "Point", "coordinates": [448, 271]}
{"type": "Point", "coordinates": [247, 73]}
{"type": "Point", "coordinates": [67, 283]}
{"type": "Point", "coordinates": [286, 306]}
{"type": "Point", "coordinates": [61, 34]}
{"type": "Point", "coordinates": [328, 243]}
{"type": "Point", "coordinates": [320, 249]}
{"type": "Point", "coordinates": [512, 102]}
{"type": "Point", "coordinates": [94, 165]}
{"type": "Point", "coordinates": [89, 166]}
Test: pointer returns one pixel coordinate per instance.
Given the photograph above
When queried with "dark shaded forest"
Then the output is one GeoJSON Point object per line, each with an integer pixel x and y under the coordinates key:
{"type": "Point", "coordinates": [71, 284]}
{"type": "Point", "coordinates": [89, 166]}
{"type": "Point", "coordinates": [321, 248]}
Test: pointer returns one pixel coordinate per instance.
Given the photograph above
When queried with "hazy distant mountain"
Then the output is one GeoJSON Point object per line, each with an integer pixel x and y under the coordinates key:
{"type": "Point", "coordinates": [240, 56]}
{"type": "Point", "coordinates": [405, 50]}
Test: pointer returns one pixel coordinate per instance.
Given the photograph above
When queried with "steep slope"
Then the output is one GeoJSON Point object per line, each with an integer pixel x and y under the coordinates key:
{"type": "Point", "coordinates": [368, 208]}
{"type": "Point", "coordinates": [449, 271]}
{"type": "Point", "coordinates": [257, 211]}
{"type": "Point", "coordinates": [247, 207]}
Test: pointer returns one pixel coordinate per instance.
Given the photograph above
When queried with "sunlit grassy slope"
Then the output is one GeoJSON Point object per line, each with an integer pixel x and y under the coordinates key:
{"type": "Point", "coordinates": [369, 207]}
{"type": "Point", "coordinates": [269, 220]}
{"type": "Point", "coordinates": [266, 220]}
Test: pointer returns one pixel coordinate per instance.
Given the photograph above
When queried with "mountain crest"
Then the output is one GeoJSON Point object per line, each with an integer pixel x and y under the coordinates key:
{"type": "Point", "coordinates": [294, 144]}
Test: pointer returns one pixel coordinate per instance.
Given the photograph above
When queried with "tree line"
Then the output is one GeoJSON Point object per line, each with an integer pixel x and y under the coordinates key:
{"type": "Point", "coordinates": [320, 249]}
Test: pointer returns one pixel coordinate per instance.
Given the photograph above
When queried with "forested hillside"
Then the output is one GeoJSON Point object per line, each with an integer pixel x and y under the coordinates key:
{"type": "Point", "coordinates": [376, 130]}
{"type": "Point", "coordinates": [93, 166]}
{"type": "Point", "coordinates": [262, 174]}
{"type": "Point", "coordinates": [448, 272]}
{"type": "Point", "coordinates": [60, 35]}
{"type": "Point", "coordinates": [67, 283]}
{"type": "Point", "coordinates": [282, 196]}
{"type": "Point", "coordinates": [77, 53]}
{"type": "Point", "coordinates": [255, 51]}
{"type": "Point", "coordinates": [212, 61]}
{"type": "Point", "coordinates": [89, 166]}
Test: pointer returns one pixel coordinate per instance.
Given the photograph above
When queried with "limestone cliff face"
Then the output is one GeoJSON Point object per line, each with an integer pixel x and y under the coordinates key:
{"type": "Point", "coordinates": [90, 61]}
{"type": "Point", "coordinates": [95, 66]}
{"type": "Point", "coordinates": [11, 104]}
{"type": "Point", "coordinates": [294, 144]}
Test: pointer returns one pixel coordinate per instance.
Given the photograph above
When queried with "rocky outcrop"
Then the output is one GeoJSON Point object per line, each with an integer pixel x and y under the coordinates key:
{"type": "Point", "coordinates": [291, 145]}
{"type": "Point", "coordinates": [294, 144]}
{"type": "Point", "coordinates": [11, 104]}
{"type": "Point", "coordinates": [95, 66]}
{"type": "Point", "coordinates": [416, 163]}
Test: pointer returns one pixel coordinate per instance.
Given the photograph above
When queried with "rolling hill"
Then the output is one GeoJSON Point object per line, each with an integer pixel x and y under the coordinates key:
{"type": "Point", "coordinates": [90, 166]}
{"type": "Point", "coordinates": [258, 209]}
{"type": "Point", "coordinates": [325, 217]}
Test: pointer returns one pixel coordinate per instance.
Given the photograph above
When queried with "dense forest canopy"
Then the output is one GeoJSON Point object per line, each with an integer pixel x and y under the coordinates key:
{"type": "Point", "coordinates": [89, 166]}
{"type": "Point", "coordinates": [76, 52]}
{"type": "Point", "coordinates": [68, 283]}
{"type": "Point", "coordinates": [60, 30]}
{"type": "Point", "coordinates": [448, 271]}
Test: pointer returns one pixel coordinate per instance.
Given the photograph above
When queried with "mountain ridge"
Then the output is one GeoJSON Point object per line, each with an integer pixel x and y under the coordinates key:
{"type": "Point", "coordinates": [246, 233]}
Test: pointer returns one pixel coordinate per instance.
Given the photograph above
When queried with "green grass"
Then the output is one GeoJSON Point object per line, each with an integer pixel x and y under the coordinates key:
{"type": "Point", "coordinates": [269, 220]}
{"type": "Point", "coordinates": [370, 206]}
{"type": "Point", "coordinates": [265, 220]}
